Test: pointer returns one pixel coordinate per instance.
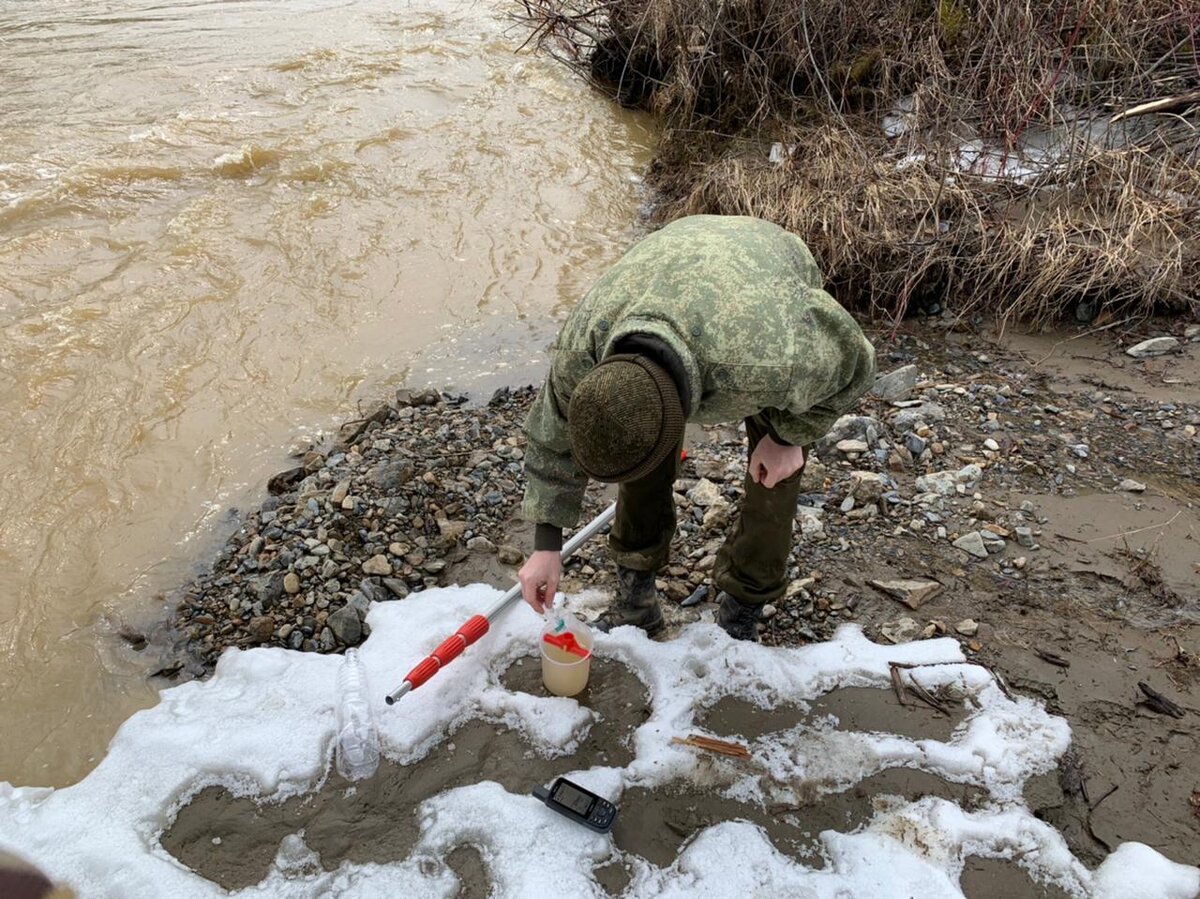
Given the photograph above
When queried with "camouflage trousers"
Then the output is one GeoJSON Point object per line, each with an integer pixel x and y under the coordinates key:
{"type": "Point", "coordinates": [751, 566]}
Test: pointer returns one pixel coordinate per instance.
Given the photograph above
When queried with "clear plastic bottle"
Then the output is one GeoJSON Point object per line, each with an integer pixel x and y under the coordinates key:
{"type": "Point", "coordinates": [357, 751]}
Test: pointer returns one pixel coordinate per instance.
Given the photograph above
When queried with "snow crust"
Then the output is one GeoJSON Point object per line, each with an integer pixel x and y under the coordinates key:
{"type": "Point", "coordinates": [263, 725]}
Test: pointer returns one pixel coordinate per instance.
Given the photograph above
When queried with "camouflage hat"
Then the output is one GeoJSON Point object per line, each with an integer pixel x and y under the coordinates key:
{"type": "Point", "coordinates": [625, 418]}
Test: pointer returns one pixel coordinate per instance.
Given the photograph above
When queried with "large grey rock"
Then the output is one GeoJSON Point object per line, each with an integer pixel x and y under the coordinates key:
{"type": "Point", "coordinates": [346, 625]}
{"type": "Point", "coordinates": [972, 543]}
{"type": "Point", "coordinates": [896, 385]}
{"type": "Point", "coordinates": [1155, 346]}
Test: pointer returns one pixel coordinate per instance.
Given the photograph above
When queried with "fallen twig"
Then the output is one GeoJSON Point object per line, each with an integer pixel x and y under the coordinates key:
{"type": "Point", "coordinates": [897, 684]}
{"type": "Point", "coordinates": [1149, 527]}
{"type": "Point", "coordinates": [1156, 702]}
{"type": "Point", "coordinates": [928, 698]}
{"type": "Point", "coordinates": [708, 744]}
{"type": "Point", "coordinates": [1052, 657]}
{"type": "Point", "coordinates": [1095, 805]}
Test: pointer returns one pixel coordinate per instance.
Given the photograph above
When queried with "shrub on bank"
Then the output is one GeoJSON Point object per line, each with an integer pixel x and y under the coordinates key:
{"type": "Point", "coordinates": [1037, 158]}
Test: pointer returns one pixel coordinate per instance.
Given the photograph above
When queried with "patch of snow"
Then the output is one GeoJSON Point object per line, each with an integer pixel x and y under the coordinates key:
{"type": "Point", "coordinates": [264, 723]}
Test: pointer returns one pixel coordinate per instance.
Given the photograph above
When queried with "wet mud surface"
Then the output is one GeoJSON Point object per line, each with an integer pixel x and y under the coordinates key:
{"type": "Point", "coordinates": [376, 821]}
{"type": "Point", "coordinates": [987, 878]}
{"type": "Point", "coordinates": [234, 841]}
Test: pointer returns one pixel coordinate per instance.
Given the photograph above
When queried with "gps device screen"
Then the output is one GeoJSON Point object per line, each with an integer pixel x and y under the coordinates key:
{"type": "Point", "coordinates": [575, 800]}
{"type": "Point", "coordinates": [580, 805]}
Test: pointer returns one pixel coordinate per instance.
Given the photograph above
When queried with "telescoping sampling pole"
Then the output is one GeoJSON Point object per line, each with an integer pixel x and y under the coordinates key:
{"type": "Point", "coordinates": [478, 625]}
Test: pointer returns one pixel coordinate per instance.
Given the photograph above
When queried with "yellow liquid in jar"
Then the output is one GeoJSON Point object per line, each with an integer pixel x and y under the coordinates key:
{"type": "Point", "coordinates": [564, 673]}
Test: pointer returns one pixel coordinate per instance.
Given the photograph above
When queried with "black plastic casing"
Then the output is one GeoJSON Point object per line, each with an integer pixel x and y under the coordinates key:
{"type": "Point", "coordinates": [568, 799]}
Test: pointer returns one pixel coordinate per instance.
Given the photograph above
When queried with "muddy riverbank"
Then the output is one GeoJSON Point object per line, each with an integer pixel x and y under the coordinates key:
{"type": "Point", "coordinates": [1034, 497]}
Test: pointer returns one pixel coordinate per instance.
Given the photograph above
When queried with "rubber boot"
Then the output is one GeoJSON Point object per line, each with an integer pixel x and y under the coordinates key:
{"type": "Point", "coordinates": [636, 603]}
{"type": "Point", "coordinates": [738, 619]}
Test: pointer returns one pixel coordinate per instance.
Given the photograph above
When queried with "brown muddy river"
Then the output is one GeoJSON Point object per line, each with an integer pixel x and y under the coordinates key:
{"type": "Point", "coordinates": [222, 224]}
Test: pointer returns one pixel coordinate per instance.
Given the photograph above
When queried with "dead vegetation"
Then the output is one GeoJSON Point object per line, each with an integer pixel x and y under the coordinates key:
{"type": "Point", "coordinates": [1035, 158]}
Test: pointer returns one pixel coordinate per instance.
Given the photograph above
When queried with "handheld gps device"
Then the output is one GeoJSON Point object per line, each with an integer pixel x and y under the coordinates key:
{"type": "Point", "coordinates": [578, 804]}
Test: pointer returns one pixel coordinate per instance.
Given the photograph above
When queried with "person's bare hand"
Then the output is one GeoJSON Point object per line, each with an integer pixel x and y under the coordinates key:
{"type": "Point", "coordinates": [771, 462]}
{"type": "Point", "coordinates": [539, 578]}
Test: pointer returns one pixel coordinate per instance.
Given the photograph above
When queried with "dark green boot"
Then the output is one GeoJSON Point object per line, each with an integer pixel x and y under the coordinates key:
{"type": "Point", "coordinates": [636, 603]}
{"type": "Point", "coordinates": [739, 620]}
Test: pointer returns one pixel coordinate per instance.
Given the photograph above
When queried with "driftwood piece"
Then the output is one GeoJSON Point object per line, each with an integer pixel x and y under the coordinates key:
{"type": "Point", "coordinates": [708, 744]}
{"type": "Point", "coordinates": [1156, 702]}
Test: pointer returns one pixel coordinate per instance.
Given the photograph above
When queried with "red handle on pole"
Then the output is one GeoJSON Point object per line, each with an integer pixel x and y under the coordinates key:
{"type": "Point", "coordinates": [450, 649]}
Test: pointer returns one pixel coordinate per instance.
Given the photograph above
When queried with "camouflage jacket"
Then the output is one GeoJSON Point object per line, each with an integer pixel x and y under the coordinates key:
{"type": "Point", "coordinates": [739, 301]}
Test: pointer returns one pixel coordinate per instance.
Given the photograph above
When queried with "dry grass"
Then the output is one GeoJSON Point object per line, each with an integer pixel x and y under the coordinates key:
{"type": "Point", "coordinates": [1104, 218]}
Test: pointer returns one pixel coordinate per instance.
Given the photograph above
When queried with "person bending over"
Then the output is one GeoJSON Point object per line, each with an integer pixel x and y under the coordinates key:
{"type": "Point", "coordinates": [711, 319]}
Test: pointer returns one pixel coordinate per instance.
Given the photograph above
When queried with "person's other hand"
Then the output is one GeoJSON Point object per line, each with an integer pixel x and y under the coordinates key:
{"type": "Point", "coordinates": [539, 578]}
{"type": "Point", "coordinates": [771, 462]}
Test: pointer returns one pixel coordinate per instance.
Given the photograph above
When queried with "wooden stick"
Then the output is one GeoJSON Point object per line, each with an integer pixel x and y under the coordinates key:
{"type": "Point", "coordinates": [1161, 105]}
{"type": "Point", "coordinates": [708, 744]}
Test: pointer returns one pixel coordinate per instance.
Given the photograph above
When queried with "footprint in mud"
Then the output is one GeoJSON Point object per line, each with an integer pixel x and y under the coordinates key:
{"type": "Point", "coordinates": [233, 841]}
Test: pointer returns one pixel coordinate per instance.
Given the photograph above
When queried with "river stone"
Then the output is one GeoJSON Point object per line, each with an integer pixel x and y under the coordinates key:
{"type": "Point", "coordinates": [377, 565]}
{"type": "Point", "coordinates": [340, 492]}
{"type": "Point", "coordinates": [896, 385]}
{"type": "Point", "coordinates": [849, 427]}
{"type": "Point", "coordinates": [926, 413]}
{"type": "Point", "coordinates": [510, 555]}
{"type": "Point", "coordinates": [913, 593]}
{"type": "Point", "coordinates": [902, 630]}
{"type": "Point", "coordinates": [346, 625]}
{"type": "Point", "coordinates": [451, 531]}
{"type": "Point", "coordinates": [1155, 346]}
{"type": "Point", "coordinates": [396, 587]}
{"type": "Point", "coordinates": [1129, 485]}
{"type": "Point", "coordinates": [481, 545]}
{"type": "Point", "coordinates": [261, 629]}
{"type": "Point", "coordinates": [391, 476]}
{"type": "Point", "coordinates": [811, 526]}
{"type": "Point", "coordinates": [968, 627]}
{"type": "Point", "coordinates": [867, 486]}
{"type": "Point", "coordinates": [943, 483]}
{"type": "Point", "coordinates": [291, 583]}
{"type": "Point", "coordinates": [269, 590]}
{"type": "Point", "coordinates": [973, 544]}
{"type": "Point", "coordinates": [359, 603]}
{"type": "Point", "coordinates": [705, 493]}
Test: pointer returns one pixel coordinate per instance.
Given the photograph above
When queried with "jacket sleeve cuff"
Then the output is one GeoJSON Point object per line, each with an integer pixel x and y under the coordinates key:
{"type": "Point", "coordinates": [547, 536]}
